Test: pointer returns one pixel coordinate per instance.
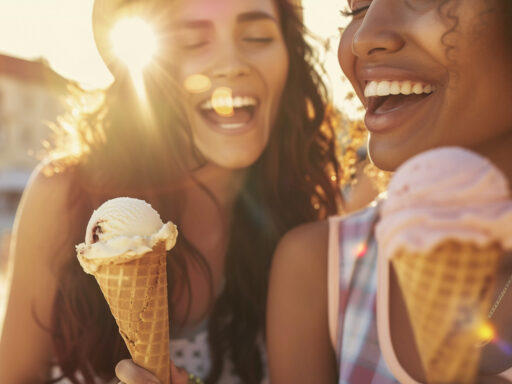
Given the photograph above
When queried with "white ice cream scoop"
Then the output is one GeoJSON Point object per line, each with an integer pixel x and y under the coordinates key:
{"type": "Point", "coordinates": [122, 229]}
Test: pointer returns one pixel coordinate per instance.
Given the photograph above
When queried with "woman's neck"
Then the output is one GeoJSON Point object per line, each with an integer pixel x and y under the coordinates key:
{"type": "Point", "coordinates": [224, 184]}
{"type": "Point", "coordinates": [206, 215]}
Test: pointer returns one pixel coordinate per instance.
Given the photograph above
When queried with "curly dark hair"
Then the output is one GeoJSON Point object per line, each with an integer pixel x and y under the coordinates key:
{"type": "Point", "coordinates": [448, 10]}
{"type": "Point", "coordinates": [293, 182]}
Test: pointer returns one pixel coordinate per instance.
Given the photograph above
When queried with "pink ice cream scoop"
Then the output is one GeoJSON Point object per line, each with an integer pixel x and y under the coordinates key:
{"type": "Point", "coordinates": [445, 193]}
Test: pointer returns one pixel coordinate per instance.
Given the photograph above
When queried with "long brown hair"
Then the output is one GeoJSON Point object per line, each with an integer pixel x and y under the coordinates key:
{"type": "Point", "coordinates": [293, 182]}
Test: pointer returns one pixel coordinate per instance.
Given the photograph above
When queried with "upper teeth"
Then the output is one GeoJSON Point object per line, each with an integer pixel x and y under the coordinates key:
{"type": "Point", "coordinates": [386, 88]}
{"type": "Point", "coordinates": [228, 102]}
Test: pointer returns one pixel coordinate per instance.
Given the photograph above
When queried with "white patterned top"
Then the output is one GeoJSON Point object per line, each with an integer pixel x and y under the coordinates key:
{"type": "Point", "coordinates": [190, 351]}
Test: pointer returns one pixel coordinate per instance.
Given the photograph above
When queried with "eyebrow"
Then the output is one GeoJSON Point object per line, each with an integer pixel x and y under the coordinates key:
{"type": "Point", "coordinates": [255, 15]}
{"type": "Point", "coordinates": [192, 24]}
{"type": "Point", "coordinates": [242, 18]}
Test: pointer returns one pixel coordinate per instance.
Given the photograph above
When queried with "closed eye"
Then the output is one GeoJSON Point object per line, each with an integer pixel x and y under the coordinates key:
{"type": "Point", "coordinates": [259, 39]}
{"type": "Point", "coordinates": [354, 12]}
{"type": "Point", "coordinates": [191, 47]}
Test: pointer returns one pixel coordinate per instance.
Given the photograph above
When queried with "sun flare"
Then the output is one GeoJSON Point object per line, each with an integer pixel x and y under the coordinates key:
{"type": "Point", "coordinates": [134, 42]}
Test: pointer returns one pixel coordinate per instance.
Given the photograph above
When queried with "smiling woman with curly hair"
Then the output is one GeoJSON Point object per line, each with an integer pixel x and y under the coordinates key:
{"type": "Point", "coordinates": [457, 57]}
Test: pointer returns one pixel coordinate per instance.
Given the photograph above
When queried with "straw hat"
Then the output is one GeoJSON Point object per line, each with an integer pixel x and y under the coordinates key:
{"type": "Point", "coordinates": [105, 14]}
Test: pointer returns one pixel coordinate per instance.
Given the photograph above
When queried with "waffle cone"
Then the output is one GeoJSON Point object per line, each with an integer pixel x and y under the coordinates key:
{"type": "Point", "coordinates": [136, 292]}
{"type": "Point", "coordinates": [448, 293]}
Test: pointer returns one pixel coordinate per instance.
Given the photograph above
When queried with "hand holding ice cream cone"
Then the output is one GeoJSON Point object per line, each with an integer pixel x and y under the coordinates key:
{"type": "Point", "coordinates": [130, 373]}
{"type": "Point", "coordinates": [125, 249]}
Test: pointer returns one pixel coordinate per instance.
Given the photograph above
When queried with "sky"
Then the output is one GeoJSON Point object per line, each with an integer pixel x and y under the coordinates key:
{"type": "Point", "coordinates": [61, 32]}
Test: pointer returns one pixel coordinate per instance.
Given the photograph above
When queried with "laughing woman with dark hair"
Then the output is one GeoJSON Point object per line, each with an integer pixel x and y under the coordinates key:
{"type": "Point", "coordinates": [234, 183]}
{"type": "Point", "coordinates": [449, 63]}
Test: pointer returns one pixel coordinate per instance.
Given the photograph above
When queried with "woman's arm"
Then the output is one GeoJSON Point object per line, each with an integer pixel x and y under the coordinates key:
{"type": "Point", "coordinates": [299, 347]}
{"type": "Point", "coordinates": [38, 238]}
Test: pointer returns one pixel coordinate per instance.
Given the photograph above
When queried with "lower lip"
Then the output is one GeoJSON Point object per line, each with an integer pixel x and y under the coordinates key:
{"type": "Point", "coordinates": [243, 128]}
{"type": "Point", "coordinates": [387, 121]}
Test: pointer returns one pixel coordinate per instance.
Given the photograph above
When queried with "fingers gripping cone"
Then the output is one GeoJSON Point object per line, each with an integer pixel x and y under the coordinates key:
{"type": "Point", "coordinates": [136, 292]}
{"type": "Point", "coordinates": [448, 294]}
{"type": "Point", "coordinates": [125, 250]}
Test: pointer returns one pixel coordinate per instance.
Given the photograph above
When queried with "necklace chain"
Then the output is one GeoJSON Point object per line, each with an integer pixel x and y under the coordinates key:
{"type": "Point", "coordinates": [500, 297]}
{"type": "Point", "coordinates": [482, 343]}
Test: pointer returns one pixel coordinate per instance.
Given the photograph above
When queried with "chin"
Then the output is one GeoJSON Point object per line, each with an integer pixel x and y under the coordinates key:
{"type": "Point", "coordinates": [386, 159]}
{"type": "Point", "coordinates": [234, 162]}
{"type": "Point", "coordinates": [389, 156]}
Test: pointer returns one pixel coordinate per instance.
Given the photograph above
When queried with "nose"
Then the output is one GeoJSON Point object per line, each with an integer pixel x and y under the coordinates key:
{"type": "Point", "coordinates": [379, 32]}
{"type": "Point", "coordinates": [229, 63]}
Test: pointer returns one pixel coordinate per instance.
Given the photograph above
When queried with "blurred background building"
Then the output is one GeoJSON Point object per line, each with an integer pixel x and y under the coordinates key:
{"type": "Point", "coordinates": [31, 96]}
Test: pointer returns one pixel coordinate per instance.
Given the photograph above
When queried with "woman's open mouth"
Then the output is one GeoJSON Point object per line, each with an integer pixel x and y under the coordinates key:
{"type": "Point", "coordinates": [229, 113]}
{"type": "Point", "coordinates": [389, 103]}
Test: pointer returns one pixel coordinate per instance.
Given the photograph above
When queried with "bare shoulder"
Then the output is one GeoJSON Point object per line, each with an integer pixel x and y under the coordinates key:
{"type": "Point", "coordinates": [43, 212]}
{"type": "Point", "coordinates": [40, 244]}
{"type": "Point", "coordinates": [46, 187]}
{"type": "Point", "coordinates": [299, 348]}
{"type": "Point", "coordinates": [304, 244]}
{"type": "Point", "coordinates": [41, 238]}
{"type": "Point", "coordinates": [300, 262]}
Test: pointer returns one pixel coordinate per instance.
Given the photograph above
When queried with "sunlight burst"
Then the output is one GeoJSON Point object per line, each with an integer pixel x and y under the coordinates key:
{"type": "Point", "coordinates": [134, 43]}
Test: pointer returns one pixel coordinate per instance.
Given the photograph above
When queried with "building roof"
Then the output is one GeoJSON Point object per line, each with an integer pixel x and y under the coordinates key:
{"type": "Point", "coordinates": [36, 72]}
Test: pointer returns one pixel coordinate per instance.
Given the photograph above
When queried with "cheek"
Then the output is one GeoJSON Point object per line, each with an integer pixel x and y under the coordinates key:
{"type": "Point", "coordinates": [346, 57]}
{"type": "Point", "coordinates": [185, 70]}
{"type": "Point", "coordinates": [274, 66]}
{"type": "Point", "coordinates": [274, 70]}
{"type": "Point", "coordinates": [343, 51]}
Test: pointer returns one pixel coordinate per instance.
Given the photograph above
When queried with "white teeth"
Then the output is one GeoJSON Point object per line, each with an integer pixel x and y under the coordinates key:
{"type": "Point", "coordinates": [395, 88]}
{"type": "Point", "coordinates": [231, 126]}
{"type": "Point", "coordinates": [386, 88]}
{"type": "Point", "coordinates": [406, 88]}
{"type": "Point", "coordinates": [417, 89]}
{"type": "Point", "coordinates": [371, 89]}
{"type": "Point", "coordinates": [207, 105]}
{"type": "Point", "coordinates": [222, 102]}
{"type": "Point", "coordinates": [383, 88]}
{"type": "Point", "coordinates": [227, 102]}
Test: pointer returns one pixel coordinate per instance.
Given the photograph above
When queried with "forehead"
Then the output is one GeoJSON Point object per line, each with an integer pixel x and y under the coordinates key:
{"type": "Point", "coordinates": [220, 10]}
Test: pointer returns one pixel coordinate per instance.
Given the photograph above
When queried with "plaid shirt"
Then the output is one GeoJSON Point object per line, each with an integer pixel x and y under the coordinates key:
{"type": "Point", "coordinates": [359, 357]}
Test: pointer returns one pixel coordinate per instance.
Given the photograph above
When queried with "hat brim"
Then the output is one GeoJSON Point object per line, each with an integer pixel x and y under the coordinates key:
{"type": "Point", "coordinates": [103, 18]}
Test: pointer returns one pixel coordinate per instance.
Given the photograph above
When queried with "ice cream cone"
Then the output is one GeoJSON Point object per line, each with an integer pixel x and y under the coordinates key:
{"type": "Point", "coordinates": [448, 293]}
{"type": "Point", "coordinates": [136, 292]}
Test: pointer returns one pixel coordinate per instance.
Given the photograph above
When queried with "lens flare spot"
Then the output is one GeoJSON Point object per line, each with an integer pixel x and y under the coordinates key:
{"type": "Point", "coordinates": [505, 347]}
{"type": "Point", "coordinates": [197, 83]}
{"type": "Point", "coordinates": [133, 42]}
{"type": "Point", "coordinates": [486, 333]}
{"type": "Point", "coordinates": [222, 101]}
{"type": "Point", "coordinates": [361, 250]}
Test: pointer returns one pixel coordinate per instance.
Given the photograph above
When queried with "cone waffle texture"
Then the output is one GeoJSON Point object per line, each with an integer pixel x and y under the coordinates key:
{"type": "Point", "coordinates": [136, 292]}
{"type": "Point", "coordinates": [448, 293]}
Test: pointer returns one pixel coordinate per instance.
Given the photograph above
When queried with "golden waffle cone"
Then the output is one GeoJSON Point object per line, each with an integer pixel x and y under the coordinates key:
{"type": "Point", "coordinates": [136, 292]}
{"type": "Point", "coordinates": [448, 294]}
